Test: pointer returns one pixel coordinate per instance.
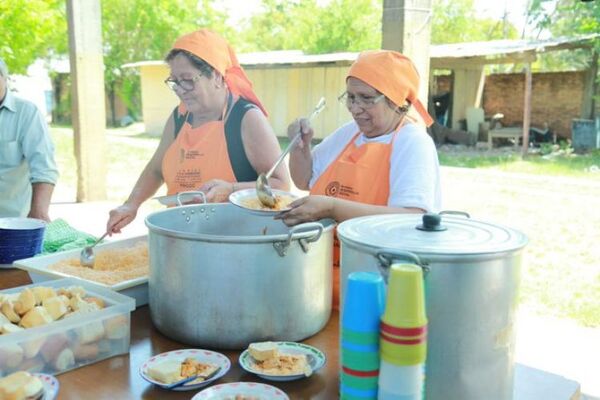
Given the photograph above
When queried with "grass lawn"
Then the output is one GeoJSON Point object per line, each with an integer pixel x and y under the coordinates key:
{"type": "Point", "coordinates": [553, 200]}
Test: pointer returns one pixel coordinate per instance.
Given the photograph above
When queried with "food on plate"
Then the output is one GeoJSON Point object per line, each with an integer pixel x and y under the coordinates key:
{"type": "Point", "coordinates": [262, 351]}
{"type": "Point", "coordinates": [111, 265]}
{"type": "Point", "coordinates": [269, 360]}
{"type": "Point", "coordinates": [171, 371]}
{"type": "Point", "coordinates": [21, 386]}
{"type": "Point", "coordinates": [282, 202]}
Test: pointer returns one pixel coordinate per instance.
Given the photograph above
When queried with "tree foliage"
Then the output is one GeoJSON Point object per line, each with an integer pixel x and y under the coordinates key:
{"type": "Point", "coordinates": [565, 18]}
{"type": "Point", "coordinates": [31, 29]}
{"type": "Point", "coordinates": [314, 27]}
{"type": "Point", "coordinates": [146, 30]}
{"type": "Point", "coordinates": [455, 21]}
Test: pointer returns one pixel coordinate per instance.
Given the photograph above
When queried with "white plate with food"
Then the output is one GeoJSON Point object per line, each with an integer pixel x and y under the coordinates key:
{"type": "Point", "coordinates": [241, 391]}
{"type": "Point", "coordinates": [168, 368]}
{"type": "Point", "coordinates": [50, 384]}
{"type": "Point", "coordinates": [248, 200]}
{"type": "Point", "coordinates": [22, 384]}
{"type": "Point", "coordinates": [282, 361]}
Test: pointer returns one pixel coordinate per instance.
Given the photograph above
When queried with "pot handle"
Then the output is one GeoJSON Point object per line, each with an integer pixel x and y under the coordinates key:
{"type": "Point", "coordinates": [190, 192]}
{"type": "Point", "coordinates": [282, 247]}
{"type": "Point", "coordinates": [386, 259]}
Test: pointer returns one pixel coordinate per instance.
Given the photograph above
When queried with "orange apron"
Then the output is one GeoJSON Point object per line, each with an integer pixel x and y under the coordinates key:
{"type": "Point", "coordinates": [196, 156]}
{"type": "Point", "coordinates": [359, 174]}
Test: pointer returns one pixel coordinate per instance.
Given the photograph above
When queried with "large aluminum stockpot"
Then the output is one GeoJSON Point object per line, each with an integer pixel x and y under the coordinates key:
{"type": "Point", "coordinates": [221, 277]}
{"type": "Point", "coordinates": [471, 284]}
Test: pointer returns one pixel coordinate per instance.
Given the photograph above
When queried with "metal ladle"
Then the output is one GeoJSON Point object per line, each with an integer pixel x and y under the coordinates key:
{"type": "Point", "coordinates": [87, 257]}
{"type": "Point", "coordinates": [263, 190]}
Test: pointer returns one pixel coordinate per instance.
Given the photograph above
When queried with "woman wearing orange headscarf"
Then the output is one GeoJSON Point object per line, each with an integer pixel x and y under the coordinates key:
{"type": "Point", "coordinates": [218, 140]}
{"type": "Point", "coordinates": [381, 162]}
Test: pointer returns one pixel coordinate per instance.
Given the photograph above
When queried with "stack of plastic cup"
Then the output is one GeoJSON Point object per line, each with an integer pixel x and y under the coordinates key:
{"type": "Point", "coordinates": [363, 306]}
{"type": "Point", "coordinates": [403, 335]}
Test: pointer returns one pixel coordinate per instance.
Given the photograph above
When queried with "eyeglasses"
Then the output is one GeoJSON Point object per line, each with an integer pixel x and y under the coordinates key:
{"type": "Point", "coordinates": [185, 84]}
{"type": "Point", "coordinates": [365, 102]}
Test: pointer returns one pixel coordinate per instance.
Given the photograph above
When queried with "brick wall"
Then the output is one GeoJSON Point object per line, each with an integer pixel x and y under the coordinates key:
{"type": "Point", "coordinates": [556, 98]}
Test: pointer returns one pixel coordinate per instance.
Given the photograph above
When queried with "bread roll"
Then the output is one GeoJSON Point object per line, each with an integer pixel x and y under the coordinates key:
{"type": "Point", "coordinates": [11, 355]}
{"type": "Point", "coordinates": [64, 360]}
{"type": "Point", "coordinates": [20, 386]}
{"type": "Point", "coordinates": [91, 332]}
{"type": "Point", "coordinates": [263, 350]}
{"type": "Point", "coordinates": [117, 327]}
{"type": "Point", "coordinates": [8, 310]}
{"type": "Point", "coordinates": [86, 352]}
{"type": "Point", "coordinates": [25, 302]}
{"type": "Point", "coordinates": [166, 372]}
{"type": "Point", "coordinates": [32, 365]}
{"type": "Point", "coordinates": [33, 347]}
{"type": "Point", "coordinates": [42, 293]}
{"type": "Point", "coordinates": [36, 317]}
{"type": "Point", "coordinates": [53, 346]}
{"type": "Point", "coordinates": [98, 301]}
{"type": "Point", "coordinates": [7, 328]}
{"type": "Point", "coordinates": [55, 307]}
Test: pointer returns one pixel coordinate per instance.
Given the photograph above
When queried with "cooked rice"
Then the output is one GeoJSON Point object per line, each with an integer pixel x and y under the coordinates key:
{"type": "Point", "coordinates": [281, 203]}
{"type": "Point", "coordinates": [112, 266]}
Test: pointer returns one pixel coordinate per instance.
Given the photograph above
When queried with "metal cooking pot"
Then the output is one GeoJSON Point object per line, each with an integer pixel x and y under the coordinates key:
{"type": "Point", "coordinates": [221, 277]}
{"type": "Point", "coordinates": [471, 283]}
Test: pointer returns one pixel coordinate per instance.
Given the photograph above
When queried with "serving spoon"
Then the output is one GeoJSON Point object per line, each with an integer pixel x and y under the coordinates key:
{"type": "Point", "coordinates": [87, 257]}
{"type": "Point", "coordinates": [263, 190]}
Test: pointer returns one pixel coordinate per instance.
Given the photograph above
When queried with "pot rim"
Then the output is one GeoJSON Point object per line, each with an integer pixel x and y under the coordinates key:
{"type": "Point", "coordinates": [327, 223]}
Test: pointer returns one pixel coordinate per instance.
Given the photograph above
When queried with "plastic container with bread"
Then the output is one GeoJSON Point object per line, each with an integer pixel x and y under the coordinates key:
{"type": "Point", "coordinates": [47, 339]}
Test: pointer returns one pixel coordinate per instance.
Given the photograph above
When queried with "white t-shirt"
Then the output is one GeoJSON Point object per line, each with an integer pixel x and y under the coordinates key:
{"type": "Point", "coordinates": [414, 165]}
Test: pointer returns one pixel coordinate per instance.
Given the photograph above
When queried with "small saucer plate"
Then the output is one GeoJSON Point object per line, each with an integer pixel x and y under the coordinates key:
{"type": "Point", "coordinates": [51, 386]}
{"type": "Point", "coordinates": [249, 389]}
{"type": "Point", "coordinates": [204, 356]}
{"type": "Point", "coordinates": [316, 360]}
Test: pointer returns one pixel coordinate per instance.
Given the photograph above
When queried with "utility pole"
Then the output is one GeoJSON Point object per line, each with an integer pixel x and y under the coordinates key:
{"type": "Point", "coordinates": [406, 27]}
{"type": "Point", "coordinates": [88, 110]}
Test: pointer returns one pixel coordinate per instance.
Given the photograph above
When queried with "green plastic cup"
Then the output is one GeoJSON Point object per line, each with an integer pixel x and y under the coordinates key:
{"type": "Point", "coordinates": [360, 360]}
{"type": "Point", "coordinates": [356, 382]}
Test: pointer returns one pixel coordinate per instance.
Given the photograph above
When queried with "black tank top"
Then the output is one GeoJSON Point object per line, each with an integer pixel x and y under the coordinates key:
{"type": "Point", "coordinates": [240, 164]}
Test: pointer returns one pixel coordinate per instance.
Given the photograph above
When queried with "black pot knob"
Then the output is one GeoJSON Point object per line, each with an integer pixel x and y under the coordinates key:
{"type": "Point", "coordinates": [432, 222]}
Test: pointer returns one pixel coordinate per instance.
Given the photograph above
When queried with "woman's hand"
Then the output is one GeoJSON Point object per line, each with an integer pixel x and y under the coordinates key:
{"type": "Point", "coordinates": [217, 190]}
{"type": "Point", "coordinates": [308, 209]}
{"type": "Point", "coordinates": [120, 217]}
{"type": "Point", "coordinates": [301, 125]}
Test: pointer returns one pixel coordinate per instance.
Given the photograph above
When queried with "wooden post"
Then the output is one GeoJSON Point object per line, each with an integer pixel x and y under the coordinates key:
{"type": "Point", "coordinates": [526, 110]}
{"type": "Point", "coordinates": [88, 110]}
{"type": "Point", "coordinates": [406, 27]}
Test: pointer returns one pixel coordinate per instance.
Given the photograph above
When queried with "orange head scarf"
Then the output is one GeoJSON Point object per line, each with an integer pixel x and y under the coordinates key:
{"type": "Point", "coordinates": [215, 50]}
{"type": "Point", "coordinates": [392, 74]}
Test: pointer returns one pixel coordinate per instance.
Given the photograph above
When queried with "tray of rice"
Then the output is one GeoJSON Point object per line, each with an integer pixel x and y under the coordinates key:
{"type": "Point", "coordinates": [121, 265]}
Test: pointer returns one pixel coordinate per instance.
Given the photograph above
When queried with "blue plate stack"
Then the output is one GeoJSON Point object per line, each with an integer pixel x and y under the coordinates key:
{"type": "Point", "coordinates": [20, 238]}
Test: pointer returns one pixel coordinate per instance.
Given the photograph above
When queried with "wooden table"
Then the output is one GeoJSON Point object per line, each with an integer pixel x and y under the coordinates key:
{"type": "Point", "coordinates": [505, 133]}
{"type": "Point", "coordinates": [118, 377]}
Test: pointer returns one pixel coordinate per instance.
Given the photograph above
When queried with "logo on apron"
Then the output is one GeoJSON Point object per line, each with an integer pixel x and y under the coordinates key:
{"type": "Point", "coordinates": [332, 189]}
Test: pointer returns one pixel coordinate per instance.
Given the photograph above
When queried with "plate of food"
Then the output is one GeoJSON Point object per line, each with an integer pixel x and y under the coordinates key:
{"type": "Point", "coordinates": [25, 385]}
{"type": "Point", "coordinates": [50, 385]}
{"type": "Point", "coordinates": [282, 361]}
{"type": "Point", "coordinates": [248, 200]}
{"type": "Point", "coordinates": [241, 391]}
{"type": "Point", "coordinates": [195, 366]}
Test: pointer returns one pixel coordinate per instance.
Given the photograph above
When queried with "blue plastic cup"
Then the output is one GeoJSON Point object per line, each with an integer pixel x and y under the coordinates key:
{"type": "Point", "coordinates": [364, 302]}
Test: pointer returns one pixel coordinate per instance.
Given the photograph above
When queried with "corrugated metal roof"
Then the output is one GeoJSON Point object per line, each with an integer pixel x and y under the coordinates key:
{"type": "Point", "coordinates": [490, 49]}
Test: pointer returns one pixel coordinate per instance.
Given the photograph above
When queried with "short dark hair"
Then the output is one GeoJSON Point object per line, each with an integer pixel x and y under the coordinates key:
{"type": "Point", "coordinates": [205, 68]}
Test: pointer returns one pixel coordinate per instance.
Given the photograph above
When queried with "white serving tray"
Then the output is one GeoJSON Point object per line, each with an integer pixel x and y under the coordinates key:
{"type": "Point", "coordinates": [39, 272]}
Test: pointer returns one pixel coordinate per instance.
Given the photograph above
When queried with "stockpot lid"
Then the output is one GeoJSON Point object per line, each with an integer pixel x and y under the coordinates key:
{"type": "Point", "coordinates": [432, 234]}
